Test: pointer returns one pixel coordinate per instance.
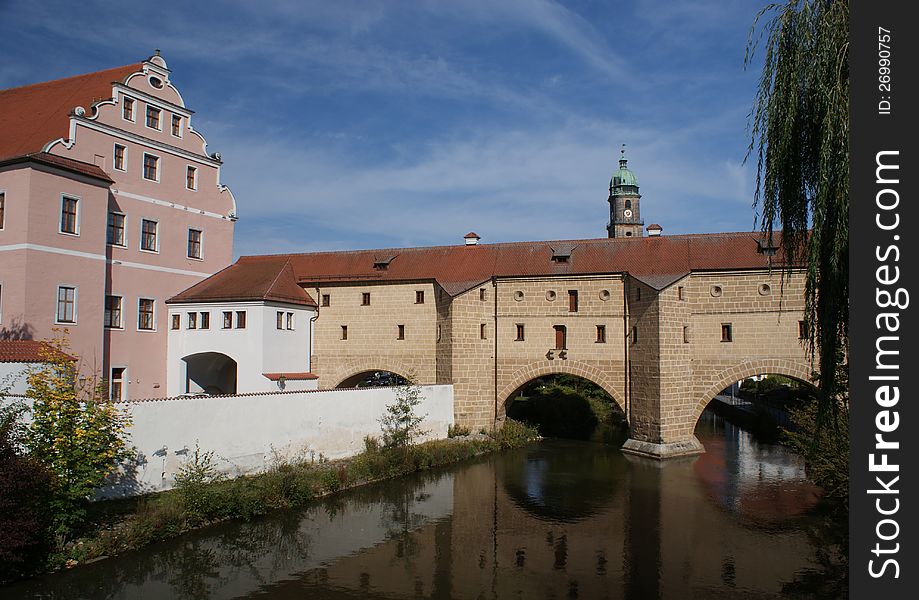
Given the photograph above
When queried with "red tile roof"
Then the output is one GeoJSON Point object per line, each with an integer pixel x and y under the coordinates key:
{"type": "Point", "coordinates": [301, 376]}
{"type": "Point", "coordinates": [657, 261]}
{"type": "Point", "coordinates": [33, 115]}
{"type": "Point", "coordinates": [274, 280]}
{"type": "Point", "coordinates": [68, 164]}
{"type": "Point", "coordinates": [28, 351]}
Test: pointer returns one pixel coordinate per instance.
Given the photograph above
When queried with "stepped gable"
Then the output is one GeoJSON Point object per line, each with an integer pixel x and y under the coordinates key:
{"type": "Point", "coordinates": [271, 279]}
{"type": "Point", "coordinates": [33, 115]}
{"type": "Point", "coordinates": [656, 261]}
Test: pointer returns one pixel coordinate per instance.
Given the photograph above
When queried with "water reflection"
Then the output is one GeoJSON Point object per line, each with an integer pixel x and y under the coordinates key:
{"type": "Point", "coordinates": [556, 520]}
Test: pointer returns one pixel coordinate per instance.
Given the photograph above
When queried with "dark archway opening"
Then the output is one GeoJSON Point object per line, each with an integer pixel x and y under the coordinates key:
{"type": "Point", "coordinates": [567, 406]}
{"type": "Point", "coordinates": [763, 404]}
{"type": "Point", "coordinates": [210, 373]}
{"type": "Point", "coordinates": [374, 379]}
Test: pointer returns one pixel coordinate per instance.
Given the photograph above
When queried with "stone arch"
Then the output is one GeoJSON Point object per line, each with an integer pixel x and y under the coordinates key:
{"type": "Point", "coordinates": [557, 367]}
{"type": "Point", "coordinates": [799, 370]}
{"type": "Point", "coordinates": [356, 367]}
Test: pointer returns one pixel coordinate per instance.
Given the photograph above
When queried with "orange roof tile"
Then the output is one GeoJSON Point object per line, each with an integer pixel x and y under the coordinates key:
{"type": "Point", "coordinates": [274, 280]}
{"type": "Point", "coordinates": [28, 351]}
{"type": "Point", "coordinates": [33, 115]}
{"type": "Point", "coordinates": [656, 261]}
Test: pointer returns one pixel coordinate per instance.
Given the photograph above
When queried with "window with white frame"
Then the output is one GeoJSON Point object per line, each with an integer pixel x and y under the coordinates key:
{"type": "Point", "coordinates": [151, 167]}
{"type": "Point", "coordinates": [145, 314]}
{"type": "Point", "coordinates": [66, 304]}
{"type": "Point", "coordinates": [205, 322]}
{"type": "Point", "coordinates": [191, 178]}
{"type": "Point", "coordinates": [192, 320]}
{"type": "Point", "coordinates": [194, 243]}
{"type": "Point", "coordinates": [290, 321]}
{"type": "Point", "coordinates": [127, 109]}
{"type": "Point", "coordinates": [116, 384]}
{"type": "Point", "coordinates": [119, 158]}
{"type": "Point", "coordinates": [112, 315]}
{"type": "Point", "coordinates": [2, 209]}
{"type": "Point", "coordinates": [70, 215]}
{"type": "Point", "coordinates": [154, 117]}
{"type": "Point", "coordinates": [177, 125]}
{"type": "Point", "coordinates": [148, 235]}
{"type": "Point", "coordinates": [114, 235]}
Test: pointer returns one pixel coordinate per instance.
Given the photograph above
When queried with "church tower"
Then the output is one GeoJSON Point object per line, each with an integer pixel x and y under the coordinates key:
{"type": "Point", "coordinates": [624, 203]}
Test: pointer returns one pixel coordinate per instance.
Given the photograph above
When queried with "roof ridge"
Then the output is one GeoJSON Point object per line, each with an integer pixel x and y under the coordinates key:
{"type": "Point", "coordinates": [687, 236]}
{"type": "Point", "coordinates": [68, 78]}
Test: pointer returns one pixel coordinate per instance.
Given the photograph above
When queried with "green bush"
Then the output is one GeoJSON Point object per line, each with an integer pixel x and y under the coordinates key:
{"type": "Point", "coordinates": [457, 431]}
{"type": "Point", "coordinates": [515, 434]}
{"type": "Point", "coordinates": [193, 481]}
{"type": "Point", "coordinates": [400, 424]}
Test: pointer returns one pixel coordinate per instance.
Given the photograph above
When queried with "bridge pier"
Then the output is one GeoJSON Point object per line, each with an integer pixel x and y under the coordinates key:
{"type": "Point", "coordinates": [659, 451]}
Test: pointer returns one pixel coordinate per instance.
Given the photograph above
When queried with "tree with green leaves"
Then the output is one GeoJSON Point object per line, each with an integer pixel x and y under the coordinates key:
{"type": "Point", "coordinates": [800, 141]}
{"type": "Point", "coordinates": [75, 432]}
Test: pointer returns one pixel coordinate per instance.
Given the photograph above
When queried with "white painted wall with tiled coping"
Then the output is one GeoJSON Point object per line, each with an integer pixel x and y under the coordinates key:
{"type": "Point", "coordinates": [249, 432]}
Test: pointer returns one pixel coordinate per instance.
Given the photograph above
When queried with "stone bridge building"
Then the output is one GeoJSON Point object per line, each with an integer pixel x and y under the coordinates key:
{"type": "Point", "coordinates": [661, 323]}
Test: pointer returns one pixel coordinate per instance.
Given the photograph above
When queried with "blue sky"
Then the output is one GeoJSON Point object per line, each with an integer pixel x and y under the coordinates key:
{"type": "Point", "coordinates": [370, 124]}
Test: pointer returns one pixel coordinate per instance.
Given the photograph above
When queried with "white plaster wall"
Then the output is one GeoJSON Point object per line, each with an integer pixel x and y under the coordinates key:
{"type": "Point", "coordinates": [259, 348]}
{"type": "Point", "coordinates": [13, 377]}
{"type": "Point", "coordinates": [249, 432]}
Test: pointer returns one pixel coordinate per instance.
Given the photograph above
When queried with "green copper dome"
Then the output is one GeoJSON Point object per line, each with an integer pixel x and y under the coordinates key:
{"type": "Point", "coordinates": [623, 182]}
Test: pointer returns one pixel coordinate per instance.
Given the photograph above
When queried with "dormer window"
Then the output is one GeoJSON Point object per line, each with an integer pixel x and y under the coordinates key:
{"type": "Point", "coordinates": [562, 253]}
{"type": "Point", "coordinates": [381, 262]}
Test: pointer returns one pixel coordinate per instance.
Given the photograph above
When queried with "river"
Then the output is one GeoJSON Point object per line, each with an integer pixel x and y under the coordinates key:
{"type": "Point", "coordinates": [558, 519]}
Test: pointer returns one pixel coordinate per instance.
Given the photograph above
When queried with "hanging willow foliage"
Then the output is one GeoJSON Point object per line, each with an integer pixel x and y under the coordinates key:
{"type": "Point", "coordinates": [800, 138]}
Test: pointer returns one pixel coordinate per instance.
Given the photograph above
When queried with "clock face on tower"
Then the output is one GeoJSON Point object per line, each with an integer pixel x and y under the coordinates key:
{"type": "Point", "coordinates": [627, 213]}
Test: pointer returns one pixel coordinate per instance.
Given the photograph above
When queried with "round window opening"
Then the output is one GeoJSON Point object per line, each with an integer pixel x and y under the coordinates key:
{"type": "Point", "coordinates": [765, 289]}
{"type": "Point", "coordinates": [716, 291]}
{"type": "Point", "coordinates": [604, 295]}
{"type": "Point", "coordinates": [156, 82]}
{"type": "Point", "coordinates": [518, 295]}
{"type": "Point", "coordinates": [550, 296]}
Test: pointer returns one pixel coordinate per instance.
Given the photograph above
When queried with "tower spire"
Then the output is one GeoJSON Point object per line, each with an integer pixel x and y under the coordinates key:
{"type": "Point", "coordinates": [624, 211]}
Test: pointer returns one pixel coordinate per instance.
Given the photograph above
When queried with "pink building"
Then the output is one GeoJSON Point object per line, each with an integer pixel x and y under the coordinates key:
{"type": "Point", "coordinates": [109, 205]}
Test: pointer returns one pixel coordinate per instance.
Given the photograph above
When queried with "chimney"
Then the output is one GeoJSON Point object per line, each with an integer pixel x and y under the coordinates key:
{"type": "Point", "coordinates": [472, 238]}
{"type": "Point", "coordinates": [654, 230]}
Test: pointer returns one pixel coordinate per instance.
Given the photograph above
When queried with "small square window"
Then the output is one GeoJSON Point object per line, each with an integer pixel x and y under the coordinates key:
{"type": "Point", "coordinates": [482, 294]}
{"type": "Point", "coordinates": [520, 333]}
{"type": "Point", "coordinates": [290, 321]}
{"type": "Point", "coordinates": [344, 332]}
{"type": "Point", "coordinates": [127, 108]}
{"type": "Point", "coordinates": [176, 322]}
{"type": "Point", "coordinates": [191, 178]}
{"type": "Point", "coordinates": [601, 334]}
{"type": "Point", "coordinates": [153, 117]}
{"type": "Point", "coordinates": [280, 320]}
{"type": "Point", "coordinates": [176, 125]}
{"type": "Point", "coordinates": [681, 293]}
{"type": "Point", "coordinates": [419, 297]}
{"type": "Point", "coordinates": [634, 335]}
{"type": "Point", "coordinates": [482, 331]}
{"type": "Point", "coordinates": [400, 332]}
{"type": "Point", "coordinates": [572, 301]}
{"type": "Point", "coordinates": [227, 319]}
{"type": "Point", "coordinates": [116, 384]}
{"type": "Point", "coordinates": [192, 320]}
{"type": "Point", "coordinates": [240, 319]}
{"type": "Point", "coordinates": [685, 334]}
{"type": "Point", "coordinates": [205, 320]}
{"type": "Point", "coordinates": [365, 299]}
{"type": "Point", "coordinates": [561, 337]}
{"type": "Point", "coordinates": [326, 300]}
{"type": "Point", "coordinates": [727, 334]}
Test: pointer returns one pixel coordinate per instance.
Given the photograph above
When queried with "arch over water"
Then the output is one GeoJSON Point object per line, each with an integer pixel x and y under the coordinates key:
{"type": "Point", "coordinates": [526, 374]}
{"type": "Point", "coordinates": [798, 370]}
{"type": "Point", "coordinates": [210, 372]}
{"type": "Point", "coordinates": [348, 372]}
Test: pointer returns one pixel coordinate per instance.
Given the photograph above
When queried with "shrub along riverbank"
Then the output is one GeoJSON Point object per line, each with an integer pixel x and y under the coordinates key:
{"type": "Point", "coordinates": [202, 497]}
